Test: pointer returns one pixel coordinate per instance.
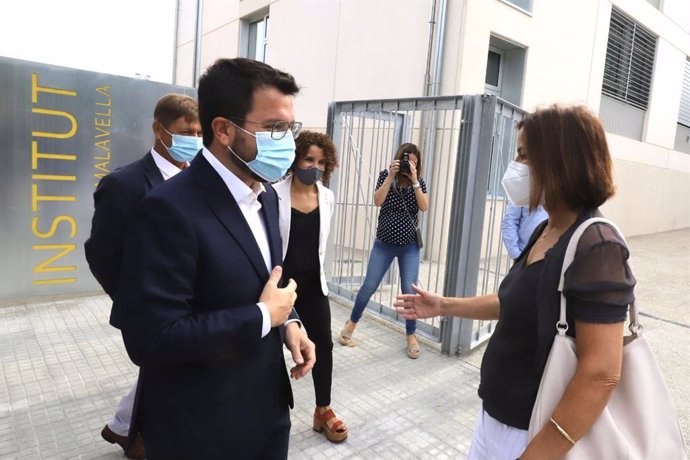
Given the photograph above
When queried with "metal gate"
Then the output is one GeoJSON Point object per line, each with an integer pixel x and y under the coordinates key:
{"type": "Point", "coordinates": [466, 143]}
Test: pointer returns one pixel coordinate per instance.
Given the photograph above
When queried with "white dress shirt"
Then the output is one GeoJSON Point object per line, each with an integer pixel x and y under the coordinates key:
{"type": "Point", "coordinates": [166, 168]}
{"type": "Point", "coordinates": [247, 200]}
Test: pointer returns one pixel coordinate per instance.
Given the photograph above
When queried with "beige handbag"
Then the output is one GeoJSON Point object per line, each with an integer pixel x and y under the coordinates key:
{"type": "Point", "coordinates": [639, 421]}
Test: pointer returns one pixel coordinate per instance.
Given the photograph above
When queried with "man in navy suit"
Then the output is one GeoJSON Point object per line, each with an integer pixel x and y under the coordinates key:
{"type": "Point", "coordinates": [177, 134]}
{"type": "Point", "coordinates": [199, 299]}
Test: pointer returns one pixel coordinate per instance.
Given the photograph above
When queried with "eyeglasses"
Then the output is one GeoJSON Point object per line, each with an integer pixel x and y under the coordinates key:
{"type": "Point", "coordinates": [278, 129]}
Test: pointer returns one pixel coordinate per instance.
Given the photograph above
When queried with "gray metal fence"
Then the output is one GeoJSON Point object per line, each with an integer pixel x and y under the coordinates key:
{"type": "Point", "coordinates": [466, 143]}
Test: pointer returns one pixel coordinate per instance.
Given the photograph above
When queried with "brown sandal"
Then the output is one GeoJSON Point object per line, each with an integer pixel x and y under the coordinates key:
{"type": "Point", "coordinates": [345, 338]}
{"type": "Point", "coordinates": [326, 422]}
{"type": "Point", "coordinates": [413, 349]}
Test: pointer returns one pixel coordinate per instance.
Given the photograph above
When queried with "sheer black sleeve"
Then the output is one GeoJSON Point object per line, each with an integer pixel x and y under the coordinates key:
{"type": "Point", "coordinates": [599, 283]}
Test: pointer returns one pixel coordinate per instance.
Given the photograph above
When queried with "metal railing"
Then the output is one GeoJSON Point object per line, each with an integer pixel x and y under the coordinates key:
{"type": "Point", "coordinates": [466, 143]}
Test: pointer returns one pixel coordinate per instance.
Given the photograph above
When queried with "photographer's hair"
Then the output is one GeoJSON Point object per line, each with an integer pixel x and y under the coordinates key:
{"type": "Point", "coordinates": [568, 157]}
{"type": "Point", "coordinates": [172, 106]}
{"type": "Point", "coordinates": [408, 147]}
{"type": "Point", "coordinates": [227, 89]}
{"type": "Point", "coordinates": [308, 138]}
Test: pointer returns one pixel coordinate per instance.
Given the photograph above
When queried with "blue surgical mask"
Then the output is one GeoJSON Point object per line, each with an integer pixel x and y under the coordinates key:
{"type": "Point", "coordinates": [273, 156]}
{"type": "Point", "coordinates": [308, 176]}
{"type": "Point", "coordinates": [183, 148]}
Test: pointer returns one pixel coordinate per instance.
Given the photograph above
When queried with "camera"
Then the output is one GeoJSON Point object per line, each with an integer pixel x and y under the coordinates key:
{"type": "Point", "coordinates": [405, 163]}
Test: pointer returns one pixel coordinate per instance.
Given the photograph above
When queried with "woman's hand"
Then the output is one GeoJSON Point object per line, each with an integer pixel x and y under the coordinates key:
{"type": "Point", "coordinates": [423, 304]}
{"type": "Point", "coordinates": [393, 168]}
{"type": "Point", "coordinates": [413, 172]}
{"type": "Point", "coordinates": [420, 196]}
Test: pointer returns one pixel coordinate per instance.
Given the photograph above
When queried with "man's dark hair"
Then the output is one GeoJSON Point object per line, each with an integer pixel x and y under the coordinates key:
{"type": "Point", "coordinates": [227, 88]}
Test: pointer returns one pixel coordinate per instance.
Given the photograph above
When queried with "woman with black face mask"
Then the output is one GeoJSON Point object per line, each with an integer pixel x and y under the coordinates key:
{"type": "Point", "coordinates": [306, 207]}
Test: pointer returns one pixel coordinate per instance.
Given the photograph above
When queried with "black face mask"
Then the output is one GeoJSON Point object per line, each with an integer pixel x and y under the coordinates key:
{"type": "Point", "coordinates": [308, 176]}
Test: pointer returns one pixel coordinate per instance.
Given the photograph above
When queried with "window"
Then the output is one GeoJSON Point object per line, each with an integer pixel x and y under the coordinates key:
{"type": "Point", "coordinates": [522, 4]}
{"type": "Point", "coordinates": [682, 143]}
{"type": "Point", "coordinates": [257, 38]}
{"type": "Point", "coordinates": [684, 112]}
{"type": "Point", "coordinates": [505, 68]}
{"type": "Point", "coordinates": [629, 61]}
{"type": "Point", "coordinates": [493, 71]}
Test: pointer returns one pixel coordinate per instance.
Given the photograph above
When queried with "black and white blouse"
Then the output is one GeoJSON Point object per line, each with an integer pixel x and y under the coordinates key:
{"type": "Point", "coordinates": [395, 225]}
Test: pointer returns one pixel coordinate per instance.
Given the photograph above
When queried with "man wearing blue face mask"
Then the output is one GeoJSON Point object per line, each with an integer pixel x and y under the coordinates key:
{"type": "Point", "coordinates": [178, 139]}
{"type": "Point", "coordinates": [200, 301]}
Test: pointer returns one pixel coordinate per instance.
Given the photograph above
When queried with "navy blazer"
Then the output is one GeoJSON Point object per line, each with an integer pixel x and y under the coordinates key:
{"type": "Point", "coordinates": [191, 277]}
{"type": "Point", "coordinates": [114, 200]}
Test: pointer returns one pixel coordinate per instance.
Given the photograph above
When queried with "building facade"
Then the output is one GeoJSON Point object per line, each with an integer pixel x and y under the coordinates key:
{"type": "Point", "coordinates": [628, 60]}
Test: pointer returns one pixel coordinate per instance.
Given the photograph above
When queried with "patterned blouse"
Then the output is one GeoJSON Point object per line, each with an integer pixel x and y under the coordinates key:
{"type": "Point", "coordinates": [396, 225]}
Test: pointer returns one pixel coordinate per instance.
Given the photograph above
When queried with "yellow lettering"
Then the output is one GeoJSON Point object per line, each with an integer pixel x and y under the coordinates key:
{"type": "Point", "coordinates": [101, 121]}
{"type": "Point", "coordinates": [61, 113]}
{"type": "Point", "coordinates": [54, 226]}
{"type": "Point", "coordinates": [53, 177]}
{"type": "Point", "coordinates": [103, 145]}
{"type": "Point", "coordinates": [35, 89]}
{"type": "Point", "coordinates": [35, 155]}
{"type": "Point", "coordinates": [55, 281]}
{"type": "Point", "coordinates": [104, 132]}
{"type": "Point", "coordinates": [35, 197]}
{"type": "Point", "coordinates": [104, 114]}
{"type": "Point", "coordinates": [43, 266]}
{"type": "Point", "coordinates": [103, 166]}
{"type": "Point", "coordinates": [104, 90]}
{"type": "Point", "coordinates": [66, 128]}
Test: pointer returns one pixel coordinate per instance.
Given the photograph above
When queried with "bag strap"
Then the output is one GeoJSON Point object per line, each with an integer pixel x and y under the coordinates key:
{"type": "Point", "coordinates": [562, 324]}
{"type": "Point", "coordinates": [402, 198]}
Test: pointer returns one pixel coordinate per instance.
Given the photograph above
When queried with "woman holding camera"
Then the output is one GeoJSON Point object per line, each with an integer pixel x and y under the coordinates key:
{"type": "Point", "coordinates": [401, 193]}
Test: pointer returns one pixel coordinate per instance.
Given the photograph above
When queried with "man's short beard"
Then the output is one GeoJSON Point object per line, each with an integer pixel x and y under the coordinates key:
{"type": "Point", "coordinates": [237, 147]}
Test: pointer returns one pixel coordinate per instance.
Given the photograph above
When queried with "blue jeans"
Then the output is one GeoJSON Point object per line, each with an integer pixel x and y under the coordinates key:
{"type": "Point", "coordinates": [381, 258]}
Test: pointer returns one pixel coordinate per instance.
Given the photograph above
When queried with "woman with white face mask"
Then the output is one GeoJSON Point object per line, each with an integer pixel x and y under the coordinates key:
{"type": "Point", "coordinates": [563, 162]}
{"type": "Point", "coordinates": [305, 211]}
{"type": "Point", "coordinates": [519, 221]}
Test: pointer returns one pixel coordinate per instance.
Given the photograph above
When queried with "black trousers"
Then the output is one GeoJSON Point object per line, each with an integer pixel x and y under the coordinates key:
{"type": "Point", "coordinates": [187, 433]}
{"type": "Point", "coordinates": [315, 312]}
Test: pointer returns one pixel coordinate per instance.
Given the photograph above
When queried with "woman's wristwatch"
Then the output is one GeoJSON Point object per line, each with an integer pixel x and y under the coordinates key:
{"type": "Point", "coordinates": [415, 185]}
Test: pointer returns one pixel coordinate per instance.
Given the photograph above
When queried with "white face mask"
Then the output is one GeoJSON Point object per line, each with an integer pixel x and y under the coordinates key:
{"type": "Point", "coordinates": [516, 183]}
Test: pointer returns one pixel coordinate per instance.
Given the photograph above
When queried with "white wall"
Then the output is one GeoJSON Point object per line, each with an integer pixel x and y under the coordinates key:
{"type": "Point", "coordinates": [650, 198]}
{"type": "Point", "coordinates": [376, 49]}
{"type": "Point", "coordinates": [186, 34]}
{"type": "Point", "coordinates": [664, 101]}
{"type": "Point", "coordinates": [679, 12]}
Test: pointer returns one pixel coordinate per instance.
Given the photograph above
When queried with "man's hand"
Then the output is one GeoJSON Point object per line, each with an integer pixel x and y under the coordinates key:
{"type": "Point", "coordinates": [278, 301]}
{"type": "Point", "coordinates": [303, 350]}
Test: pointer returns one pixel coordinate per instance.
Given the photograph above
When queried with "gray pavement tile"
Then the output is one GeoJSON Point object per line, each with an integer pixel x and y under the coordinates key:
{"type": "Point", "coordinates": [64, 369]}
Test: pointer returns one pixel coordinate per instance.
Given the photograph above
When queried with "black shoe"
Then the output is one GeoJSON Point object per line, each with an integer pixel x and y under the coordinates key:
{"type": "Point", "coordinates": [135, 450]}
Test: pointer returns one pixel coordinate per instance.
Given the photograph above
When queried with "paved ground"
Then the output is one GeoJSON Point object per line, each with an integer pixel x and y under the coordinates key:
{"type": "Point", "coordinates": [63, 370]}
